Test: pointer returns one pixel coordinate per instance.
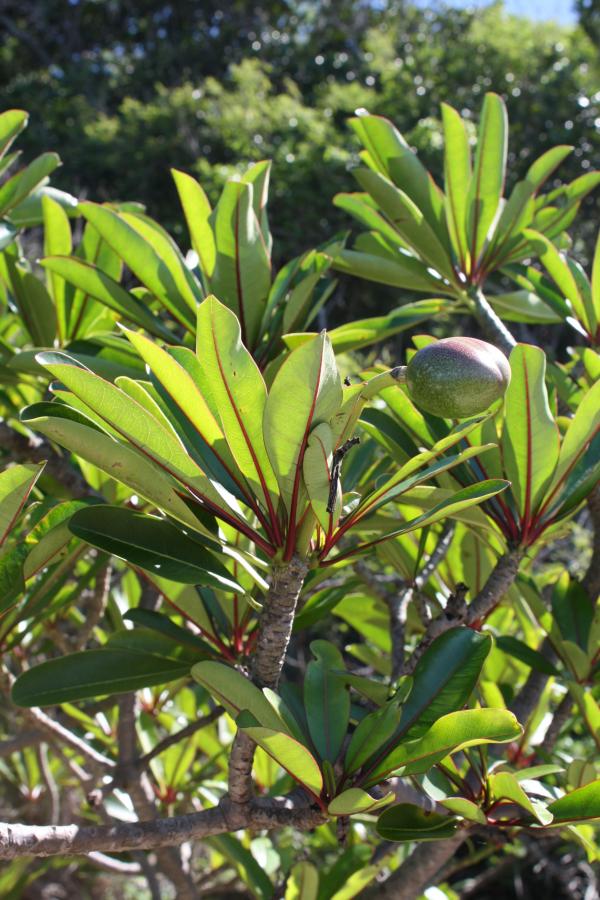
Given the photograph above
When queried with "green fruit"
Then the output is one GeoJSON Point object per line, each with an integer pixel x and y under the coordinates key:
{"type": "Point", "coordinates": [457, 377]}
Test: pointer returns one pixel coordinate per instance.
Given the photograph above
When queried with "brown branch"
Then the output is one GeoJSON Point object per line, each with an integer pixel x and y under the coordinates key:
{"type": "Point", "coordinates": [94, 609]}
{"type": "Point", "coordinates": [274, 631]}
{"type": "Point", "coordinates": [49, 784]}
{"type": "Point", "coordinates": [499, 581]}
{"type": "Point", "coordinates": [137, 784]}
{"type": "Point", "coordinates": [20, 741]}
{"type": "Point", "coordinates": [276, 620]}
{"type": "Point", "coordinates": [457, 612]}
{"type": "Point", "coordinates": [399, 599]}
{"type": "Point", "coordinates": [72, 840]}
{"type": "Point", "coordinates": [143, 761]}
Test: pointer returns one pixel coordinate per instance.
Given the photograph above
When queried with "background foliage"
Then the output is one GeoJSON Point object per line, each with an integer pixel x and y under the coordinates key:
{"type": "Point", "coordinates": [150, 570]}
{"type": "Point", "coordinates": [131, 89]}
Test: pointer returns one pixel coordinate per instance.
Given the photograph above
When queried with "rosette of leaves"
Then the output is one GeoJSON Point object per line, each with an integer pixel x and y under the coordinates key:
{"type": "Point", "coordinates": [50, 312]}
{"type": "Point", "coordinates": [231, 479]}
{"type": "Point", "coordinates": [447, 243]}
{"type": "Point", "coordinates": [562, 292]}
{"type": "Point", "coordinates": [499, 797]}
{"type": "Point", "coordinates": [337, 750]}
{"type": "Point", "coordinates": [552, 463]}
{"type": "Point", "coordinates": [230, 257]}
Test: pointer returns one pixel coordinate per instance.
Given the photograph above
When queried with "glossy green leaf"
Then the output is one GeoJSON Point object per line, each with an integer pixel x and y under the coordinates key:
{"type": "Point", "coordinates": [130, 467]}
{"type": "Point", "coordinates": [573, 611]}
{"type": "Point", "coordinates": [240, 395]}
{"type": "Point", "coordinates": [457, 178]}
{"type": "Point", "coordinates": [504, 786]}
{"type": "Point", "coordinates": [519, 209]}
{"type": "Point", "coordinates": [355, 801]}
{"type": "Point", "coordinates": [408, 219]}
{"type": "Point", "coordinates": [403, 271]}
{"type": "Point", "coordinates": [183, 279]}
{"type": "Point", "coordinates": [244, 862]}
{"type": "Point", "coordinates": [581, 430]}
{"type": "Point", "coordinates": [577, 295]}
{"type": "Point", "coordinates": [16, 483]}
{"type": "Point", "coordinates": [365, 332]}
{"type": "Point", "coordinates": [443, 678]}
{"type": "Point", "coordinates": [12, 123]}
{"type": "Point", "coordinates": [303, 882]}
{"type": "Point", "coordinates": [29, 213]}
{"type": "Point", "coordinates": [96, 283]}
{"type": "Point", "coordinates": [524, 306]}
{"type": "Point", "coordinates": [152, 543]}
{"type": "Point", "coordinates": [316, 468]}
{"type": "Point", "coordinates": [326, 700]}
{"type": "Point", "coordinates": [57, 240]}
{"type": "Point", "coordinates": [32, 300]}
{"type": "Point", "coordinates": [237, 693]}
{"type": "Point", "coordinates": [154, 621]}
{"type": "Point", "coordinates": [131, 421]}
{"type": "Point", "coordinates": [24, 182]}
{"type": "Point", "coordinates": [530, 440]}
{"type": "Point", "coordinates": [595, 280]}
{"type": "Point", "coordinates": [141, 257]}
{"type": "Point", "coordinates": [532, 658]}
{"type": "Point", "coordinates": [306, 391]}
{"type": "Point", "coordinates": [50, 536]}
{"type": "Point", "coordinates": [371, 733]}
{"type": "Point", "coordinates": [487, 181]}
{"type": "Point", "coordinates": [411, 823]}
{"type": "Point", "coordinates": [448, 734]}
{"type": "Point", "coordinates": [179, 377]}
{"type": "Point", "coordinates": [93, 673]}
{"type": "Point", "coordinates": [392, 157]}
{"type": "Point", "coordinates": [242, 273]}
{"type": "Point", "coordinates": [579, 806]}
{"type": "Point", "coordinates": [285, 750]}
{"type": "Point", "coordinates": [466, 809]}
{"type": "Point", "coordinates": [197, 210]}
{"type": "Point", "coordinates": [448, 507]}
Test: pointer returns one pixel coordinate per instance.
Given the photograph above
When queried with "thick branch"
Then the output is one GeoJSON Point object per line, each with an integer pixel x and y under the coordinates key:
{"type": "Point", "coordinates": [274, 631]}
{"type": "Point", "coordinates": [71, 840]}
{"type": "Point", "coordinates": [458, 613]}
{"type": "Point", "coordinates": [276, 620]}
{"type": "Point", "coordinates": [499, 581]}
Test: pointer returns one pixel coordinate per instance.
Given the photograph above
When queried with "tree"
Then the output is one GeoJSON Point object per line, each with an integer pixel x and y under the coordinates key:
{"type": "Point", "coordinates": [269, 609]}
